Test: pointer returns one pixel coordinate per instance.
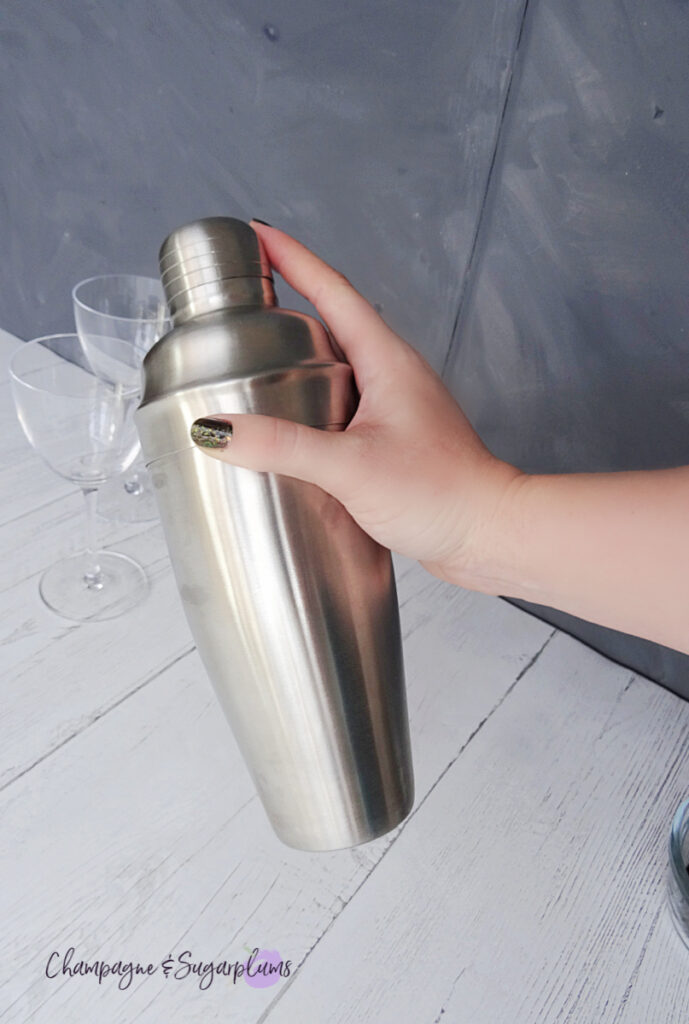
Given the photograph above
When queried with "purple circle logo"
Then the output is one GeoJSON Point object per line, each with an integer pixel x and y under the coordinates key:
{"type": "Point", "coordinates": [263, 968]}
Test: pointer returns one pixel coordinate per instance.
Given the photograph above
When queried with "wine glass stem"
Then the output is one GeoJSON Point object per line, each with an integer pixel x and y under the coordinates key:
{"type": "Point", "coordinates": [93, 576]}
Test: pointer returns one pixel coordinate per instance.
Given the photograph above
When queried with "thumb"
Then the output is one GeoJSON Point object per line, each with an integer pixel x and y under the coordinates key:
{"type": "Point", "coordinates": [273, 445]}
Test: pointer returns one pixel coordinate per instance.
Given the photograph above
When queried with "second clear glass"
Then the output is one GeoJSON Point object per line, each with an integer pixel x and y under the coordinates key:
{"type": "Point", "coordinates": [133, 309]}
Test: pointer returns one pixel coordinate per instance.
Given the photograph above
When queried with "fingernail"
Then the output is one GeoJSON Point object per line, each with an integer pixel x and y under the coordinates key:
{"type": "Point", "coordinates": [211, 433]}
{"type": "Point", "coordinates": [259, 221]}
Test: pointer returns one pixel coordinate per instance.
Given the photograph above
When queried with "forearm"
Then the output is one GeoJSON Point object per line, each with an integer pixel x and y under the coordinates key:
{"type": "Point", "coordinates": [612, 548]}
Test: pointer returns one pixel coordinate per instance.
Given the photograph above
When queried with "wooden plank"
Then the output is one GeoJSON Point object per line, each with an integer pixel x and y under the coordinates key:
{"type": "Point", "coordinates": [59, 676]}
{"type": "Point", "coordinates": [529, 884]}
{"type": "Point", "coordinates": [141, 836]}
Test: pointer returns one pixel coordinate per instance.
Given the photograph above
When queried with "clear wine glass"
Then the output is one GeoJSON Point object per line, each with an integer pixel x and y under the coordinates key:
{"type": "Point", "coordinates": [77, 413]}
{"type": "Point", "coordinates": [133, 309]}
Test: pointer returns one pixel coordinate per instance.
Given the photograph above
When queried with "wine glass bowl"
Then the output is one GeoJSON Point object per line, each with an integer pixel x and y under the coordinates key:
{"type": "Point", "coordinates": [125, 306]}
{"type": "Point", "coordinates": [79, 418]}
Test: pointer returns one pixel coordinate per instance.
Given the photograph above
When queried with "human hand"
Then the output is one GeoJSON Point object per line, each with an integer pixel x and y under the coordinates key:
{"type": "Point", "coordinates": [409, 468]}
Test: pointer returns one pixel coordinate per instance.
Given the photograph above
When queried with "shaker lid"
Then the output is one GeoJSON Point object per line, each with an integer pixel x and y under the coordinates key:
{"type": "Point", "coordinates": [196, 258]}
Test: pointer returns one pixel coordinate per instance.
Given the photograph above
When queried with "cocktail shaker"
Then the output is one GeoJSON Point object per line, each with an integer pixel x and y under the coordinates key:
{"type": "Point", "coordinates": [292, 606]}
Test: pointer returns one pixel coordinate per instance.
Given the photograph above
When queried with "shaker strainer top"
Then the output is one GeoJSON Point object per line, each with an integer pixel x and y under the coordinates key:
{"type": "Point", "coordinates": [196, 258]}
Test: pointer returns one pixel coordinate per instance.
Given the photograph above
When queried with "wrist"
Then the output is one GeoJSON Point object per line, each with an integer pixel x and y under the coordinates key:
{"type": "Point", "coordinates": [489, 559]}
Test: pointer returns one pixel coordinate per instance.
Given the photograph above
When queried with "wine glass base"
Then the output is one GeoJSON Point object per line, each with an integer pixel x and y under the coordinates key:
{"type": "Point", "coordinates": [123, 584]}
{"type": "Point", "coordinates": [117, 505]}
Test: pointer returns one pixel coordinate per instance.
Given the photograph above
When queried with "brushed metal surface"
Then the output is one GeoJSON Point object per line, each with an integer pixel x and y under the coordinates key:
{"type": "Point", "coordinates": [294, 612]}
{"type": "Point", "coordinates": [293, 607]}
{"type": "Point", "coordinates": [211, 264]}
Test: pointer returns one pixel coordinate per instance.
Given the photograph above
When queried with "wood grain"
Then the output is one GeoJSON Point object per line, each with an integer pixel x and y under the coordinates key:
{"type": "Point", "coordinates": [526, 885]}
{"type": "Point", "coordinates": [129, 830]}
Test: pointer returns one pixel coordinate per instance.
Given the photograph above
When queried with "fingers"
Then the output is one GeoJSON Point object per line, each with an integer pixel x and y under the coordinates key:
{"type": "Point", "coordinates": [368, 343]}
{"type": "Point", "coordinates": [272, 445]}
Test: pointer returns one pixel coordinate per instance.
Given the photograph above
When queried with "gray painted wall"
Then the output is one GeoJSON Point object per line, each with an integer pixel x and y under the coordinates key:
{"type": "Point", "coordinates": [572, 346]}
{"type": "Point", "coordinates": [364, 129]}
{"type": "Point", "coordinates": [506, 180]}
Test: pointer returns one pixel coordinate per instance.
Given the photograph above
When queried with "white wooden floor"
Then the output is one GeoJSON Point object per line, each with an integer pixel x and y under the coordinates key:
{"type": "Point", "coordinates": [526, 886]}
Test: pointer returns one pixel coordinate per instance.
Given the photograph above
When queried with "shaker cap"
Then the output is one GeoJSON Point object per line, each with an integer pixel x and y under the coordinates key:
{"type": "Point", "coordinates": [201, 262]}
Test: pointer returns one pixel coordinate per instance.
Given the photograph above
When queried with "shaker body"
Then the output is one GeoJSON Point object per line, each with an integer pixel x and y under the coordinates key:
{"type": "Point", "coordinates": [294, 613]}
{"type": "Point", "coordinates": [292, 606]}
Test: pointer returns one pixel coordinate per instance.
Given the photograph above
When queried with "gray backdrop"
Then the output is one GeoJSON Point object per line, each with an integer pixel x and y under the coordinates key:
{"type": "Point", "coordinates": [507, 181]}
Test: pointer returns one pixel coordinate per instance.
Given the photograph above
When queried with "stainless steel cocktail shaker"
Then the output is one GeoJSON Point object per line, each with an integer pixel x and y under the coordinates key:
{"type": "Point", "coordinates": [292, 606]}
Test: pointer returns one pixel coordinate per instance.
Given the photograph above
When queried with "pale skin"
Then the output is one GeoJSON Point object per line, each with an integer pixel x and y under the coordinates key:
{"type": "Point", "coordinates": [612, 548]}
